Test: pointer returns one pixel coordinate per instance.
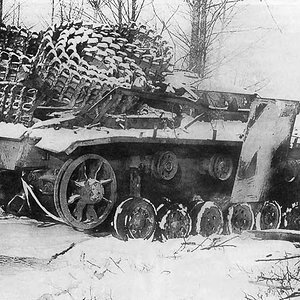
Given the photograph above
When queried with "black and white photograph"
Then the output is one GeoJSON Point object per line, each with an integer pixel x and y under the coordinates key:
{"type": "Point", "coordinates": [149, 149]}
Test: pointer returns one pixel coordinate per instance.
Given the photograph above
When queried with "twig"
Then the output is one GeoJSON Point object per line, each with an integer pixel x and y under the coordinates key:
{"type": "Point", "coordinates": [272, 16]}
{"type": "Point", "coordinates": [102, 273]}
{"type": "Point", "coordinates": [234, 237]}
{"type": "Point", "coordinates": [215, 245]}
{"type": "Point", "coordinates": [117, 265]}
{"type": "Point", "coordinates": [88, 261]}
{"type": "Point", "coordinates": [278, 259]}
{"type": "Point", "coordinates": [181, 248]}
{"type": "Point", "coordinates": [53, 257]}
{"type": "Point", "coordinates": [199, 245]}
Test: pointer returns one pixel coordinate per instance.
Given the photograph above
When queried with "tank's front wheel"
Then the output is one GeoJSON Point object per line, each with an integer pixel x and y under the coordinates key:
{"type": "Point", "coordinates": [85, 191]}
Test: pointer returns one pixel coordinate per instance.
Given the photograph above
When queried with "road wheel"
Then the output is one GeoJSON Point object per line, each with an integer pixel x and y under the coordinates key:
{"type": "Point", "coordinates": [292, 217]}
{"type": "Point", "coordinates": [220, 167]}
{"type": "Point", "coordinates": [240, 218]}
{"type": "Point", "coordinates": [135, 218]}
{"type": "Point", "coordinates": [207, 219]}
{"type": "Point", "coordinates": [269, 217]}
{"type": "Point", "coordinates": [174, 221]}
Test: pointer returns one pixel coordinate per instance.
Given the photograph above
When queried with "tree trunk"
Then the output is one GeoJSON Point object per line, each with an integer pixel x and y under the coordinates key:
{"type": "Point", "coordinates": [120, 12]}
{"type": "Point", "coordinates": [198, 37]}
{"type": "Point", "coordinates": [52, 12]}
{"type": "Point", "coordinates": [1, 11]}
{"type": "Point", "coordinates": [133, 10]}
{"type": "Point", "coordinates": [61, 11]}
{"type": "Point", "coordinates": [194, 34]}
{"type": "Point", "coordinates": [202, 40]}
{"type": "Point", "coordinates": [18, 14]}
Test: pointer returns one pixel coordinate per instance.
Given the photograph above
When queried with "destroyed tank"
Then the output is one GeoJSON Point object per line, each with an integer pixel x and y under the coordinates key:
{"type": "Point", "coordinates": [98, 129]}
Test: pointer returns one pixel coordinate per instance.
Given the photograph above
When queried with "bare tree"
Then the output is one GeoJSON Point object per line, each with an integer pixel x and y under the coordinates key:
{"type": "Point", "coordinates": [70, 10]}
{"type": "Point", "coordinates": [119, 11]}
{"type": "Point", "coordinates": [193, 45]}
{"type": "Point", "coordinates": [208, 19]}
{"type": "Point", "coordinates": [11, 13]}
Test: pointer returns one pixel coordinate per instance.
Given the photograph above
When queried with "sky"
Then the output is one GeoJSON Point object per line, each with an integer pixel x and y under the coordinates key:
{"type": "Point", "coordinates": [260, 52]}
{"type": "Point", "coordinates": [270, 53]}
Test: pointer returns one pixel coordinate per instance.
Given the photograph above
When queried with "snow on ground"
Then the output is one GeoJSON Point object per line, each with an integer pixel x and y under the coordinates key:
{"type": "Point", "coordinates": [23, 237]}
{"type": "Point", "coordinates": [222, 267]}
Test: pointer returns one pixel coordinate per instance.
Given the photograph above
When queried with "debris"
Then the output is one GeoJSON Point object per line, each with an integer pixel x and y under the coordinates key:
{"type": "Point", "coordinates": [53, 257]}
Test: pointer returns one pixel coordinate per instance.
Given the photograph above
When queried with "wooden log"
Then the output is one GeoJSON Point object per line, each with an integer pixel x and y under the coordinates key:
{"type": "Point", "coordinates": [277, 234]}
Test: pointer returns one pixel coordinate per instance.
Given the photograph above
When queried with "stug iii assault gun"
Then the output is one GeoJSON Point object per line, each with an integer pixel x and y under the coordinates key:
{"type": "Point", "coordinates": [96, 128]}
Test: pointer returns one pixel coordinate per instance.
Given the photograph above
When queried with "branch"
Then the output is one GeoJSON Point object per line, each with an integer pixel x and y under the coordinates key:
{"type": "Point", "coordinates": [140, 9]}
{"type": "Point", "coordinates": [214, 244]}
{"type": "Point", "coordinates": [270, 12]}
{"type": "Point", "coordinates": [181, 58]}
{"type": "Point", "coordinates": [165, 25]}
{"type": "Point", "coordinates": [171, 17]}
{"type": "Point", "coordinates": [126, 13]}
{"type": "Point", "coordinates": [61, 253]}
{"type": "Point", "coordinates": [278, 259]}
{"type": "Point", "coordinates": [116, 264]}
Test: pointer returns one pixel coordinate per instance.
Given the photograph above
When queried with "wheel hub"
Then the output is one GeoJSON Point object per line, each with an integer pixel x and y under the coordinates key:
{"type": "Point", "coordinates": [140, 224]}
{"type": "Point", "coordinates": [138, 220]}
{"type": "Point", "coordinates": [92, 191]}
{"type": "Point", "coordinates": [168, 166]}
{"type": "Point", "coordinates": [269, 217]}
{"type": "Point", "coordinates": [174, 222]}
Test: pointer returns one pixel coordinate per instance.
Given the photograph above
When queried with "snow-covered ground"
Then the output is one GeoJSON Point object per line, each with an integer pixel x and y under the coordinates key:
{"type": "Point", "coordinates": [221, 267]}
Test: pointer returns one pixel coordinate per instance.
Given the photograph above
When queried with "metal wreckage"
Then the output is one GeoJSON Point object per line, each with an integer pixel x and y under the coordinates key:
{"type": "Point", "coordinates": [97, 129]}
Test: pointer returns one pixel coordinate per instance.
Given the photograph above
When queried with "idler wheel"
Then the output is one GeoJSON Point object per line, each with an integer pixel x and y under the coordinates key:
{"type": "Point", "coordinates": [207, 219]}
{"type": "Point", "coordinates": [135, 218]}
{"type": "Point", "coordinates": [174, 221]}
{"type": "Point", "coordinates": [85, 191]}
{"type": "Point", "coordinates": [220, 167]}
{"type": "Point", "coordinates": [269, 217]}
{"type": "Point", "coordinates": [240, 218]}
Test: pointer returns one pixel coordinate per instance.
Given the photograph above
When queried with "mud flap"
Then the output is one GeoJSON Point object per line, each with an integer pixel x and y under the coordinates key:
{"type": "Point", "coordinates": [266, 143]}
